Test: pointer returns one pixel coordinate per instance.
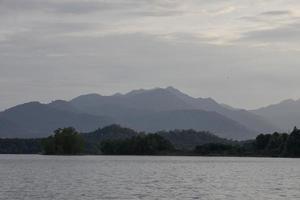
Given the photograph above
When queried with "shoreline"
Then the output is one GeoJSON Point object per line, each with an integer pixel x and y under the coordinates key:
{"type": "Point", "coordinates": [165, 155]}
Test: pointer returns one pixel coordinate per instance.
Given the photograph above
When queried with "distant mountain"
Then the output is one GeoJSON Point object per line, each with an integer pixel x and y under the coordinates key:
{"type": "Point", "coordinates": [143, 110]}
{"type": "Point", "coordinates": [247, 119]}
{"type": "Point", "coordinates": [9, 129]}
{"type": "Point", "coordinates": [133, 103]}
{"type": "Point", "coordinates": [63, 105]}
{"type": "Point", "coordinates": [191, 119]}
{"type": "Point", "coordinates": [285, 114]}
{"type": "Point", "coordinates": [141, 103]}
{"type": "Point", "coordinates": [38, 120]}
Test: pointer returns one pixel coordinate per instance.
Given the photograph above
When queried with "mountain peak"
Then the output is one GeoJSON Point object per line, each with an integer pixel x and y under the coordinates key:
{"type": "Point", "coordinates": [28, 105]}
{"type": "Point", "coordinates": [157, 89]}
{"type": "Point", "coordinates": [288, 101]}
{"type": "Point", "coordinates": [171, 88]}
{"type": "Point", "coordinates": [56, 102]}
{"type": "Point", "coordinates": [134, 92]}
{"type": "Point", "coordinates": [90, 96]}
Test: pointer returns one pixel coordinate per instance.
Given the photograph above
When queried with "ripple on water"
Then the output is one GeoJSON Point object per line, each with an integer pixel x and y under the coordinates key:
{"type": "Point", "coordinates": [135, 177]}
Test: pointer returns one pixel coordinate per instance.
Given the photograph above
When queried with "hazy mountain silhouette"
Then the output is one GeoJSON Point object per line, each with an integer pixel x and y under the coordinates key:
{"type": "Point", "coordinates": [144, 110]}
{"type": "Point", "coordinates": [247, 119]}
{"type": "Point", "coordinates": [285, 114]}
{"type": "Point", "coordinates": [37, 120]}
{"type": "Point", "coordinates": [191, 119]}
{"type": "Point", "coordinates": [9, 129]}
{"type": "Point", "coordinates": [140, 102]}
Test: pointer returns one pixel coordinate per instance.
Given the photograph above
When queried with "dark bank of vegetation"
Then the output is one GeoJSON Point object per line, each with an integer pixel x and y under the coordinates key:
{"type": "Point", "coordinates": [151, 144]}
{"type": "Point", "coordinates": [267, 145]}
{"type": "Point", "coordinates": [181, 139]}
{"type": "Point", "coordinates": [65, 141]}
{"type": "Point", "coordinates": [20, 146]}
{"type": "Point", "coordinates": [116, 140]}
{"type": "Point", "coordinates": [215, 149]}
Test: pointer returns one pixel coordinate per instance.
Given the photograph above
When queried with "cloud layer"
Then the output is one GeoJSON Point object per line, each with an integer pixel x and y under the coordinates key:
{"type": "Point", "coordinates": [240, 53]}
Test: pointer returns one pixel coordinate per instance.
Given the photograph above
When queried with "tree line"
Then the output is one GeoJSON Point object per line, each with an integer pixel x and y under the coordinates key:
{"type": "Point", "coordinates": [116, 140]}
{"type": "Point", "coordinates": [270, 145]}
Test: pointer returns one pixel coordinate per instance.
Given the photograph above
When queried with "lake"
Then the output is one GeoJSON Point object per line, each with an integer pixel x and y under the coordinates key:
{"type": "Point", "coordinates": [147, 177]}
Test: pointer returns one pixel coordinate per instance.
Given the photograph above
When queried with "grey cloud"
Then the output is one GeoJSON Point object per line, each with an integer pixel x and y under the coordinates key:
{"type": "Point", "coordinates": [55, 49]}
{"type": "Point", "coordinates": [119, 63]}
{"type": "Point", "coordinates": [60, 6]}
{"type": "Point", "coordinates": [40, 34]}
{"type": "Point", "coordinates": [282, 34]}
{"type": "Point", "coordinates": [157, 13]}
{"type": "Point", "coordinates": [81, 7]}
{"type": "Point", "coordinates": [276, 13]}
{"type": "Point", "coordinates": [75, 7]}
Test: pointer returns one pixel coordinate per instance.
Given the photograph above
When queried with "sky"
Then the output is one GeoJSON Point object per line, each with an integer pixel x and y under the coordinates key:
{"type": "Point", "coordinates": [245, 53]}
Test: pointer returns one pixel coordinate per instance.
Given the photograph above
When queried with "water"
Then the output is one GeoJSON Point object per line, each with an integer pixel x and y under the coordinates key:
{"type": "Point", "coordinates": [133, 177]}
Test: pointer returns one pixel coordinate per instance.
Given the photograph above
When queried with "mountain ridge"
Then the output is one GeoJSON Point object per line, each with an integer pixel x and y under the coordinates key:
{"type": "Point", "coordinates": [248, 119]}
{"type": "Point", "coordinates": [286, 113]}
{"type": "Point", "coordinates": [138, 109]}
{"type": "Point", "coordinates": [38, 120]}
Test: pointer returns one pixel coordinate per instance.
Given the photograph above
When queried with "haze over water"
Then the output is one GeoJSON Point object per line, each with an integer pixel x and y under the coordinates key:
{"type": "Point", "coordinates": [134, 177]}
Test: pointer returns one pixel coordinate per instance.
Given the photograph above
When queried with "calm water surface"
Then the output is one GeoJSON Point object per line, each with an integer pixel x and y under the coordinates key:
{"type": "Point", "coordinates": [133, 177]}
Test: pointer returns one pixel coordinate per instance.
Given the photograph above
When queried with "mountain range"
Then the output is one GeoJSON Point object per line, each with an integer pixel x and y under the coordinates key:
{"type": "Point", "coordinates": [285, 114]}
{"type": "Point", "coordinates": [146, 110]}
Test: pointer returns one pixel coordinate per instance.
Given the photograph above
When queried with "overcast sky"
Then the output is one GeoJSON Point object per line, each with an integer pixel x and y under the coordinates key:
{"type": "Point", "coordinates": [245, 53]}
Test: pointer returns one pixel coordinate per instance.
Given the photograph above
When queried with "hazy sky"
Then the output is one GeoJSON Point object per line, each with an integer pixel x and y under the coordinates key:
{"type": "Point", "coordinates": [245, 53]}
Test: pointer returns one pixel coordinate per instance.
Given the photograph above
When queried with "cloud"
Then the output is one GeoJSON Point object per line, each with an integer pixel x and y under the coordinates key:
{"type": "Point", "coordinates": [68, 66]}
{"type": "Point", "coordinates": [62, 48]}
{"type": "Point", "coordinates": [82, 6]}
{"type": "Point", "coordinates": [222, 11]}
{"type": "Point", "coordinates": [157, 13]}
{"type": "Point", "coordinates": [276, 13]}
{"type": "Point", "coordinates": [63, 6]}
{"type": "Point", "coordinates": [283, 34]}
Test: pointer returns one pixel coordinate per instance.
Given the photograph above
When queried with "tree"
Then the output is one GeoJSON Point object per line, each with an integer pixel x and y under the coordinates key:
{"type": "Point", "coordinates": [66, 141]}
{"type": "Point", "coordinates": [262, 141]}
{"type": "Point", "coordinates": [217, 149]}
{"type": "Point", "coordinates": [150, 144]}
{"type": "Point", "coordinates": [292, 148]}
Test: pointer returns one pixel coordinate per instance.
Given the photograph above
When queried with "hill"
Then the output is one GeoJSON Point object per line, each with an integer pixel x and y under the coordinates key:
{"type": "Point", "coordinates": [285, 114]}
{"type": "Point", "coordinates": [143, 110]}
{"type": "Point", "coordinates": [191, 119]}
{"type": "Point", "coordinates": [181, 139]}
{"type": "Point", "coordinates": [35, 120]}
{"type": "Point", "coordinates": [127, 109]}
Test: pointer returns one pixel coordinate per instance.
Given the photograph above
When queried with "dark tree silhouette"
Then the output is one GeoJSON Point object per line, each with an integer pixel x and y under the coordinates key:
{"type": "Point", "coordinates": [292, 148]}
{"type": "Point", "coordinates": [66, 141]}
{"type": "Point", "coordinates": [150, 144]}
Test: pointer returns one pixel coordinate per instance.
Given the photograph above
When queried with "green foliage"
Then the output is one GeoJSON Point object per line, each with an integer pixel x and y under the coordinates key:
{"type": "Point", "coordinates": [150, 144]}
{"type": "Point", "coordinates": [292, 148]}
{"type": "Point", "coordinates": [275, 145]}
{"type": "Point", "coordinates": [189, 139]}
{"type": "Point", "coordinates": [66, 141]}
{"type": "Point", "coordinates": [20, 146]}
{"type": "Point", "coordinates": [116, 140]}
{"type": "Point", "coordinates": [218, 149]}
{"type": "Point", "coordinates": [262, 141]}
{"type": "Point", "coordinates": [270, 144]}
{"type": "Point", "coordinates": [112, 132]}
{"type": "Point", "coordinates": [181, 139]}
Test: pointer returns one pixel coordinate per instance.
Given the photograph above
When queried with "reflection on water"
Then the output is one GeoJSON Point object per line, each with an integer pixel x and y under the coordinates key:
{"type": "Point", "coordinates": [133, 177]}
